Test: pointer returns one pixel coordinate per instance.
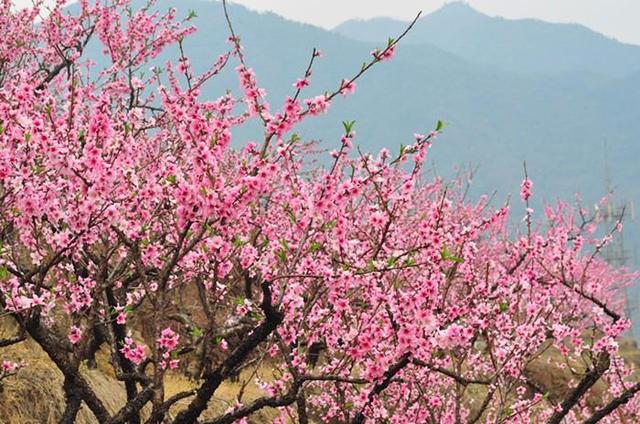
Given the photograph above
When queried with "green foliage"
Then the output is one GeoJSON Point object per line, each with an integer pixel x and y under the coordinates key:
{"type": "Point", "coordinates": [348, 126]}
{"type": "Point", "coordinates": [196, 332]}
{"type": "Point", "coordinates": [446, 255]}
{"type": "Point", "coordinates": [314, 247]}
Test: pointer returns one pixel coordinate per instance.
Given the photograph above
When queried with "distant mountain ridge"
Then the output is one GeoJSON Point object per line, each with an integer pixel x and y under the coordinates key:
{"type": "Point", "coordinates": [523, 45]}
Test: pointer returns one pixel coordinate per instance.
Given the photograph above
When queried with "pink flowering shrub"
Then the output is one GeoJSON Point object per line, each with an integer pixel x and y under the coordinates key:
{"type": "Point", "coordinates": [375, 295]}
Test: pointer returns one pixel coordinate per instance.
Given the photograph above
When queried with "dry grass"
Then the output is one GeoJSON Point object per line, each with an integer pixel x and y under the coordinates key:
{"type": "Point", "coordinates": [35, 395]}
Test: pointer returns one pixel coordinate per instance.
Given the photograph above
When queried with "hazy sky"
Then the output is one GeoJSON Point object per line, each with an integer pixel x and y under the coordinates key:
{"type": "Point", "coordinates": [616, 18]}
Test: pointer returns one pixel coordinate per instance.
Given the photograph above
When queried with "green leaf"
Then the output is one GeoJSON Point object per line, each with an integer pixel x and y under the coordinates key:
{"type": "Point", "coordinates": [411, 259]}
{"type": "Point", "coordinates": [371, 266]}
{"type": "Point", "coordinates": [217, 339]}
{"type": "Point", "coordinates": [128, 309]}
{"type": "Point", "coordinates": [27, 136]}
{"type": "Point", "coordinates": [214, 140]}
{"type": "Point", "coordinates": [192, 14]}
{"type": "Point", "coordinates": [172, 179]}
{"type": "Point", "coordinates": [447, 256]}
{"type": "Point", "coordinates": [255, 316]}
{"type": "Point", "coordinates": [196, 332]}
{"type": "Point", "coordinates": [314, 247]}
{"type": "Point", "coordinates": [348, 126]}
{"type": "Point", "coordinates": [410, 262]}
{"type": "Point", "coordinates": [282, 255]}
{"type": "Point", "coordinates": [440, 125]}
{"type": "Point", "coordinates": [390, 41]}
{"type": "Point", "coordinates": [4, 273]}
{"type": "Point", "coordinates": [504, 306]}
{"type": "Point", "coordinates": [392, 261]}
{"type": "Point", "coordinates": [445, 253]}
{"type": "Point", "coordinates": [329, 225]}
{"type": "Point", "coordinates": [290, 214]}
{"type": "Point", "coordinates": [238, 300]}
{"type": "Point", "coordinates": [456, 259]}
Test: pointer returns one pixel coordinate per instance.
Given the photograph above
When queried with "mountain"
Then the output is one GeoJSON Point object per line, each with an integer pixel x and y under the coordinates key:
{"type": "Point", "coordinates": [524, 45]}
{"type": "Point", "coordinates": [558, 117]}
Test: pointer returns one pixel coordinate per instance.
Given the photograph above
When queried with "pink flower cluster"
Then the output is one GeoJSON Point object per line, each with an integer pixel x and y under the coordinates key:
{"type": "Point", "coordinates": [75, 334]}
{"type": "Point", "coordinates": [526, 189]}
{"type": "Point", "coordinates": [133, 351]}
{"type": "Point", "coordinates": [10, 367]}
{"type": "Point", "coordinates": [168, 341]}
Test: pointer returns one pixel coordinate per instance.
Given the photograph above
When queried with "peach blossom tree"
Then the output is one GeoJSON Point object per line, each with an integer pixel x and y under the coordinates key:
{"type": "Point", "coordinates": [370, 292]}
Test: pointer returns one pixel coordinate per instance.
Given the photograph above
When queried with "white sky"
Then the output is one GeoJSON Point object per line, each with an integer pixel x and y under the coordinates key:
{"type": "Point", "coordinates": [619, 19]}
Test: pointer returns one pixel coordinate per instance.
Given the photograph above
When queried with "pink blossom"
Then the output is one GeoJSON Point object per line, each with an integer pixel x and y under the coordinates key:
{"type": "Point", "coordinates": [121, 318]}
{"type": "Point", "coordinates": [75, 334]}
{"type": "Point", "coordinates": [223, 344]}
{"type": "Point", "coordinates": [168, 339]}
{"type": "Point", "coordinates": [347, 87]}
{"type": "Point", "coordinates": [317, 105]}
{"type": "Point", "coordinates": [526, 189]}
{"type": "Point", "coordinates": [301, 83]}
{"type": "Point", "coordinates": [385, 54]}
{"type": "Point", "coordinates": [133, 351]}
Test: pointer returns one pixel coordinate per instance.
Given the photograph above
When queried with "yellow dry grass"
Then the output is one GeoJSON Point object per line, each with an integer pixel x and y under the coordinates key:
{"type": "Point", "coordinates": [35, 395]}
